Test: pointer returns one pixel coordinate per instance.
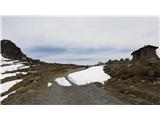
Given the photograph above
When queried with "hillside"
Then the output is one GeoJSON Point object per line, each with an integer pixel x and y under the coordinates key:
{"type": "Point", "coordinates": [21, 75]}
{"type": "Point", "coordinates": [28, 81]}
{"type": "Point", "coordinates": [134, 82]}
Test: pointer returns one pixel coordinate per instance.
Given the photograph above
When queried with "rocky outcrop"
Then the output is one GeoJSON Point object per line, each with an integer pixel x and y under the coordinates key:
{"type": "Point", "coordinates": [11, 51]}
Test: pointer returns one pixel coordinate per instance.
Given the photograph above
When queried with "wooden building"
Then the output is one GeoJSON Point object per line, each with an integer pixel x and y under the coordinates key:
{"type": "Point", "coordinates": [146, 52]}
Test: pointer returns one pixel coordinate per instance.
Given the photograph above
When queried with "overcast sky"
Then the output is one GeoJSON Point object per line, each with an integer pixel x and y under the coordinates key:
{"type": "Point", "coordinates": [80, 39]}
{"type": "Point", "coordinates": [0, 28]}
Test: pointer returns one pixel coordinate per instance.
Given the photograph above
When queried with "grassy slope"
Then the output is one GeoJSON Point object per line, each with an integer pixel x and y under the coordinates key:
{"type": "Point", "coordinates": [135, 82]}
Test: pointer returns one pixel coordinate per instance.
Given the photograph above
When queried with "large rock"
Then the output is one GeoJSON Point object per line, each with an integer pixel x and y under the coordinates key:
{"type": "Point", "coordinates": [11, 51]}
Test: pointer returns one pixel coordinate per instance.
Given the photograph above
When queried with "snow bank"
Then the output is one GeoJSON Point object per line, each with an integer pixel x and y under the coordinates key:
{"type": "Point", "coordinates": [90, 75]}
{"type": "Point", "coordinates": [7, 85]}
{"type": "Point", "coordinates": [63, 82]}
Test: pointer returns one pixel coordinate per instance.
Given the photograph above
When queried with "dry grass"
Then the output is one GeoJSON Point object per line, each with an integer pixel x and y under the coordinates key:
{"type": "Point", "coordinates": [135, 82]}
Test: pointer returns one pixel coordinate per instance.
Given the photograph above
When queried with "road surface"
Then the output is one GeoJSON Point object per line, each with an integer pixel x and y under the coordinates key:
{"type": "Point", "coordinates": [75, 95]}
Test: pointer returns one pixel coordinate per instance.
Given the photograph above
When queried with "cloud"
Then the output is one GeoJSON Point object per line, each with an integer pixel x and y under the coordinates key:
{"type": "Point", "coordinates": [80, 37]}
{"type": "Point", "coordinates": [83, 55]}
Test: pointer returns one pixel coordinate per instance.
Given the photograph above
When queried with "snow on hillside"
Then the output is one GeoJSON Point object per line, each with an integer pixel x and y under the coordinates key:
{"type": "Point", "coordinates": [2, 58]}
{"type": "Point", "coordinates": [2, 76]}
{"type": "Point", "coordinates": [7, 68]}
{"type": "Point", "coordinates": [87, 76]}
{"type": "Point", "coordinates": [7, 85]}
{"type": "Point", "coordinates": [4, 87]}
{"type": "Point", "coordinates": [4, 97]}
{"type": "Point", "coordinates": [8, 65]}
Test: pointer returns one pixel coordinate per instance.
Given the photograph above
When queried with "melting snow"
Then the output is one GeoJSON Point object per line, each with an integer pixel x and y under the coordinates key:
{"type": "Point", "coordinates": [4, 97]}
{"type": "Point", "coordinates": [2, 76]}
{"type": "Point", "coordinates": [24, 67]}
{"type": "Point", "coordinates": [9, 68]}
{"type": "Point", "coordinates": [90, 75]}
{"type": "Point", "coordinates": [63, 82]}
{"type": "Point", "coordinates": [49, 84]}
{"type": "Point", "coordinates": [87, 76]}
{"type": "Point", "coordinates": [2, 58]}
{"type": "Point", "coordinates": [7, 85]}
{"type": "Point", "coordinates": [8, 65]}
{"type": "Point", "coordinates": [7, 62]}
{"type": "Point", "coordinates": [24, 73]}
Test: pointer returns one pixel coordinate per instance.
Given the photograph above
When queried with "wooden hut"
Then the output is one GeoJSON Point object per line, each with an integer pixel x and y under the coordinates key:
{"type": "Point", "coordinates": [146, 52]}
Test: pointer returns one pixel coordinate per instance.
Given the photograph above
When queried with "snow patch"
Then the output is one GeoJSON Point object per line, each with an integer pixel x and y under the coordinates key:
{"type": "Point", "coordinates": [90, 75]}
{"type": "Point", "coordinates": [2, 76]}
{"type": "Point", "coordinates": [24, 73]}
{"type": "Point", "coordinates": [8, 62]}
{"type": "Point", "coordinates": [49, 84]}
{"type": "Point", "coordinates": [24, 67]}
{"type": "Point", "coordinates": [63, 81]}
{"type": "Point", "coordinates": [7, 85]}
{"type": "Point", "coordinates": [8, 65]}
{"type": "Point", "coordinates": [2, 58]}
{"type": "Point", "coordinates": [4, 97]}
{"type": "Point", "coordinates": [9, 68]}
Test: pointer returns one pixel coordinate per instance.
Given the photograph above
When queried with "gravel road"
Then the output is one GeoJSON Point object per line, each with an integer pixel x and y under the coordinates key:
{"type": "Point", "coordinates": [76, 95]}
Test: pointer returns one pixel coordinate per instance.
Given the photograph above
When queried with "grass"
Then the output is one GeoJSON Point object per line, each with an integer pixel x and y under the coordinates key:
{"type": "Point", "coordinates": [135, 82]}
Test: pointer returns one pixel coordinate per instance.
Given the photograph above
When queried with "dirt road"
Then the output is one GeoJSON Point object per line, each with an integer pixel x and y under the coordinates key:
{"type": "Point", "coordinates": [75, 95]}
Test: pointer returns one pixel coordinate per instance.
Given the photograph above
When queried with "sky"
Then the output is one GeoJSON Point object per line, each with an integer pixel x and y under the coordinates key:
{"type": "Point", "coordinates": [80, 39]}
{"type": "Point", "coordinates": [0, 28]}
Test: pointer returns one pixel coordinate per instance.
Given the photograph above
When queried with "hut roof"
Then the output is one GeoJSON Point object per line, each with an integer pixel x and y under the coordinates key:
{"type": "Point", "coordinates": [147, 46]}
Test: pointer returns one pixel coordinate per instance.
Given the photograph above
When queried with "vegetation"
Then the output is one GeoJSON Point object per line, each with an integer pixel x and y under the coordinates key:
{"type": "Point", "coordinates": [134, 82]}
{"type": "Point", "coordinates": [124, 70]}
